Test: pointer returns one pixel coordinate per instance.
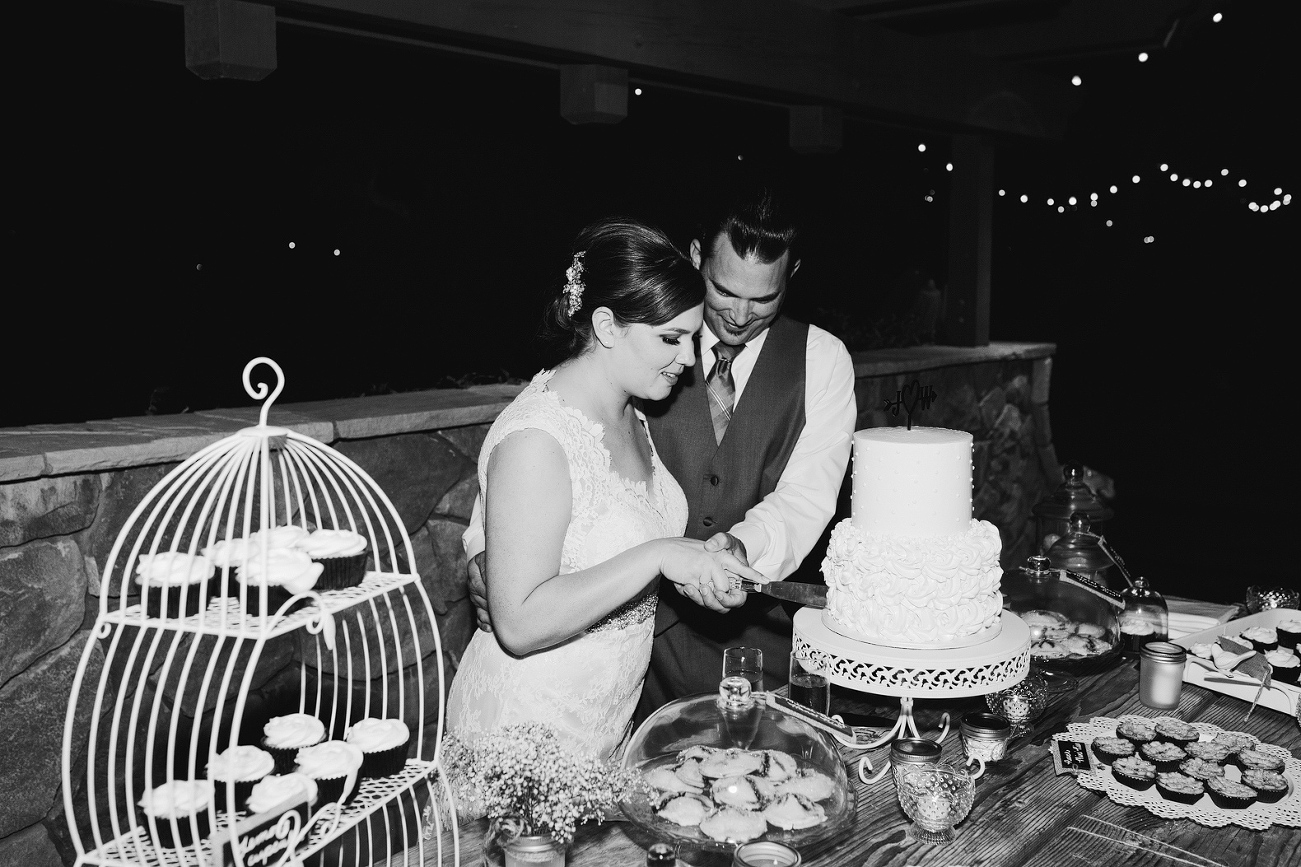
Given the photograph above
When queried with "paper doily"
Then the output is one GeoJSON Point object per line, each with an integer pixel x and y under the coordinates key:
{"type": "Point", "coordinates": [1258, 816]}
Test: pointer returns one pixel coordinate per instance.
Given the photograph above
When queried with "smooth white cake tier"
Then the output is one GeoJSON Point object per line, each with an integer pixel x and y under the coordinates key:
{"type": "Point", "coordinates": [912, 482]}
{"type": "Point", "coordinates": [911, 592]}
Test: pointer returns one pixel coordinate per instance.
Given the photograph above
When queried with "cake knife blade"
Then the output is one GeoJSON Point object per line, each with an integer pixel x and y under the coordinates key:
{"type": "Point", "coordinates": [812, 595]}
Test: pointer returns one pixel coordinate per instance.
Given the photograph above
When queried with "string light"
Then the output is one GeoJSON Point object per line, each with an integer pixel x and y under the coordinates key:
{"type": "Point", "coordinates": [1142, 57]}
{"type": "Point", "coordinates": [292, 245]}
{"type": "Point", "coordinates": [1002, 192]}
{"type": "Point", "coordinates": [1165, 167]}
{"type": "Point", "coordinates": [948, 167]}
{"type": "Point", "coordinates": [1134, 179]}
{"type": "Point", "coordinates": [1024, 198]}
{"type": "Point", "coordinates": [1217, 17]}
{"type": "Point", "coordinates": [1076, 80]}
{"type": "Point", "coordinates": [636, 91]}
{"type": "Point", "coordinates": [336, 251]}
{"type": "Point", "coordinates": [921, 148]}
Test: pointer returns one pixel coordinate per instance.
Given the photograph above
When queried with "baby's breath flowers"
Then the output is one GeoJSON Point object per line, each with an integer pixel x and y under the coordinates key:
{"type": "Point", "coordinates": [525, 773]}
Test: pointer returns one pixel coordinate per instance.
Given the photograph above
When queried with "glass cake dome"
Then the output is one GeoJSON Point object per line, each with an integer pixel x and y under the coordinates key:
{"type": "Point", "coordinates": [726, 769]}
{"type": "Point", "coordinates": [1074, 623]}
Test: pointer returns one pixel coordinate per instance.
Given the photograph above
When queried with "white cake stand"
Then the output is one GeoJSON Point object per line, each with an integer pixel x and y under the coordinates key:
{"type": "Point", "coordinates": [962, 672]}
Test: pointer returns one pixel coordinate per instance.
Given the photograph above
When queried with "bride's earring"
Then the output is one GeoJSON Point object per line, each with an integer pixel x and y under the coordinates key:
{"type": "Point", "coordinates": [605, 329]}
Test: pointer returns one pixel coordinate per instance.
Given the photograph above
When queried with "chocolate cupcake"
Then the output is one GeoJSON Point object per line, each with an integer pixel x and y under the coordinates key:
{"type": "Point", "coordinates": [177, 812]}
{"type": "Point", "coordinates": [284, 573]}
{"type": "Point", "coordinates": [1134, 772]}
{"type": "Point", "coordinates": [1176, 732]}
{"type": "Point", "coordinates": [383, 744]}
{"type": "Point", "coordinates": [1269, 786]}
{"type": "Point", "coordinates": [1236, 741]}
{"type": "Point", "coordinates": [1180, 787]}
{"type": "Point", "coordinates": [1110, 749]}
{"type": "Point", "coordinates": [1200, 769]}
{"type": "Point", "coordinates": [1229, 795]}
{"type": "Point", "coordinates": [1255, 760]}
{"type": "Point", "coordinates": [226, 557]}
{"type": "Point", "coordinates": [1262, 638]}
{"type": "Point", "coordinates": [1137, 731]}
{"type": "Point", "coordinates": [341, 553]}
{"type": "Point", "coordinates": [1166, 757]}
{"type": "Point", "coordinates": [174, 584]}
{"type": "Point", "coordinates": [1289, 633]}
{"type": "Point", "coordinates": [1286, 665]}
{"type": "Point", "coordinates": [241, 767]}
{"type": "Point", "coordinates": [1211, 751]}
{"type": "Point", "coordinates": [284, 736]}
{"type": "Point", "coordinates": [334, 765]}
{"type": "Point", "coordinates": [270, 792]}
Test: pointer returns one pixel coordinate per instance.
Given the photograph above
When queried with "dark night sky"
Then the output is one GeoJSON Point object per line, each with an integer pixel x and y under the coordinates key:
{"type": "Point", "coordinates": [451, 188]}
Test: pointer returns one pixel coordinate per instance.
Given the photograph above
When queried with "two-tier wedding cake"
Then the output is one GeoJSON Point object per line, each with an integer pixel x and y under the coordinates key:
{"type": "Point", "coordinates": [910, 568]}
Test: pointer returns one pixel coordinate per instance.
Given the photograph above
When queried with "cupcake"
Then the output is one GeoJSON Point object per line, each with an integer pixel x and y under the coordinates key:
{"type": "Point", "coordinates": [342, 553]}
{"type": "Point", "coordinates": [1179, 787]}
{"type": "Point", "coordinates": [1236, 741]}
{"type": "Point", "coordinates": [1229, 795]}
{"type": "Point", "coordinates": [226, 557]}
{"type": "Point", "coordinates": [1110, 749]}
{"type": "Point", "coordinates": [1286, 664]}
{"type": "Point", "coordinates": [1210, 751]}
{"type": "Point", "coordinates": [1289, 632]}
{"type": "Point", "coordinates": [1200, 769]}
{"type": "Point", "coordinates": [331, 764]}
{"type": "Point", "coordinates": [1262, 638]}
{"type": "Point", "coordinates": [284, 572]}
{"type": "Point", "coordinates": [280, 537]}
{"type": "Point", "coordinates": [383, 744]}
{"type": "Point", "coordinates": [1269, 786]}
{"type": "Point", "coordinates": [1255, 760]}
{"type": "Point", "coordinates": [179, 812]}
{"type": "Point", "coordinates": [173, 583]}
{"type": "Point", "coordinates": [1137, 731]}
{"type": "Point", "coordinates": [284, 736]}
{"type": "Point", "coordinates": [1134, 772]}
{"type": "Point", "coordinates": [241, 766]}
{"type": "Point", "coordinates": [1176, 732]}
{"type": "Point", "coordinates": [276, 789]}
{"type": "Point", "coordinates": [1165, 756]}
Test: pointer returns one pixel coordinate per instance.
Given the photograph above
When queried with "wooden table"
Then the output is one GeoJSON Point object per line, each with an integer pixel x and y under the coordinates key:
{"type": "Point", "coordinates": [1024, 815]}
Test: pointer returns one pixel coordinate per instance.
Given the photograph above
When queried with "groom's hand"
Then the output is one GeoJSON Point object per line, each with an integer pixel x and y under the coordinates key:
{"type": "Point", "coordinates": [478, 588]}
{"type": "Point", "coordinates": [735, 547]}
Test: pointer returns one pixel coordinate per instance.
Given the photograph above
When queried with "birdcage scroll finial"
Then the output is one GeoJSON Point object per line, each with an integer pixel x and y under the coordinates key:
{"type": "Point", "coordinates": [260, 391]}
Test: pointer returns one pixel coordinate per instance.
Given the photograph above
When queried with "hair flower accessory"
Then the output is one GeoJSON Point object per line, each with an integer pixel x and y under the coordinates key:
{"type": "Point", "coordinates": [573, 290]}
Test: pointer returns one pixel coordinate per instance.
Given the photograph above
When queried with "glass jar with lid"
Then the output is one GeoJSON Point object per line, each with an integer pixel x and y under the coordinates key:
{"type": "Point", "coordinates": [1146, 618]}
{"type": "Point", "coordinates": [1053, 513]}
{"type": "Point", "coordinates": [1074, 622]}
{"type": "Point", "coordinates": [706, 753]}
{"type": "Point", "coordinates": [1080, 552]}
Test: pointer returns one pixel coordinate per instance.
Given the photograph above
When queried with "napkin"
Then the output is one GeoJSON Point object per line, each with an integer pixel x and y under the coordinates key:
{"type": "Point", "coordinates": [1186, 624]}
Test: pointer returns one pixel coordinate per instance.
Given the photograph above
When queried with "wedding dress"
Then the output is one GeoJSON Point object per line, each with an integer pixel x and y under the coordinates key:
{"type": "Point", "coordinates": [586, 687]}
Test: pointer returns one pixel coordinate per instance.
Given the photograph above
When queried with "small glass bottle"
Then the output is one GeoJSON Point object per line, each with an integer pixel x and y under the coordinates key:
{"type": "Point", "coordinates": [1146, 618]}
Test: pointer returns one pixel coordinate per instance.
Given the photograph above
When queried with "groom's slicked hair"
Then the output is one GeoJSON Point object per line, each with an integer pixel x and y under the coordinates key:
{"type": "Point", "coordinates": [756, 220]}
{"type": "Point", "coordinates": [629, 267]}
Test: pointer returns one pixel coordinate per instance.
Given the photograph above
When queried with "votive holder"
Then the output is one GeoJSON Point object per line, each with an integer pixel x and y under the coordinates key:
{"type": "Point", "coordinates": [1021, 704]}
{"type": "Point", "coordinates": [985, 736]}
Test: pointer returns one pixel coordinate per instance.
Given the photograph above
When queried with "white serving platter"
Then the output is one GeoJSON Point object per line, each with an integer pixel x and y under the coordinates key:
{"type": "Point", "coordinates": [1282, 697]}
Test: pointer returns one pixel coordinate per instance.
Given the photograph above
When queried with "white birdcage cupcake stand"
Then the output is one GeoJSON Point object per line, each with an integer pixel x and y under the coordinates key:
{"type": "Point", "coordinates": [179, 664]}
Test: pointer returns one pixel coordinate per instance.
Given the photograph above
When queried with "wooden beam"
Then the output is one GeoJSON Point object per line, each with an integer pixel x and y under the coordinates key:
{"type": "Point", "coordinates": [971, 242]}
{"type": "Point", "coordinates": [772, 49]}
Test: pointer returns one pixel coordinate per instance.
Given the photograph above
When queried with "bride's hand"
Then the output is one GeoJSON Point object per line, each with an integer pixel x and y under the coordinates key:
{"type": "Point", "coordinates": [706, 577]}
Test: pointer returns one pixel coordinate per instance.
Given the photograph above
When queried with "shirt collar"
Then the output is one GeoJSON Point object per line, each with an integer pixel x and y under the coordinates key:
{"type": "Point", "coordinates": [708, 340]}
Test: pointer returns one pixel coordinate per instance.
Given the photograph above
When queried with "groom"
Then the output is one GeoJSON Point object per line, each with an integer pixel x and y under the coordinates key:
{"type": "Point", "coordinates": [758, 436]}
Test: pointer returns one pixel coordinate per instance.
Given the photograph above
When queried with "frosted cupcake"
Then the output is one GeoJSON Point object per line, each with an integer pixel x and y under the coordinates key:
{"type": "Point", "coordinates": [1262, 638]}
{"type": "Point", "coordinates": [243, 766]}
{"type": "Point", "coordinates": [274, 790]}
{"type": "Point", "coordinates": [330, 764]}
{"type": "Point", "coordinates": [179, 810]}
{"type": "Point", "coordinates": [341, 552]}
{"type": "Point", "coordinates": [279, 537]}
{"type": "Point", "coordinates": [167, 576]}
{"type": "Point", "coordinates": [284, 572]}
{"type": "Point", "coordinates": [226, 557]}
{"type": "Point", "coordinates": [383, 744]}
{"type": "Point", "coordinates": [1286, 664]}
{"type": "Point", "coordinates": [284, 736]}
{"type": "Point", "coordinates": [1289, 633]}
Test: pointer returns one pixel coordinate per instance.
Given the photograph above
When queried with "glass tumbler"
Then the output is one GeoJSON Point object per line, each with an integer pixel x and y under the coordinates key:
{"type": "Point", "coordinates": [809, 685]}
{"type": "Point", "coordinates": [744, 662]}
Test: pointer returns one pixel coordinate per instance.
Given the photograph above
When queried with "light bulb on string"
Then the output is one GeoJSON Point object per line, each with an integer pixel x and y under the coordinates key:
{"type": "Point", "coordinates": [1142, 57]}
{"type": "Point", "coordinates": [1217, 17]}
{"type": "Point", "coordinates": [1050, 203]}
{"type": "Point", "coordinates": [1224, 173]}
{"type": "Point", "coordinates": [1002, 193]}
{"type": "Point", "coordinates": [1024, 198]}
{"type": "Point", "coordinates": [1114, 189]}
{"type": "Point", "coordinates": [1197, 185]}
{"type": "Point", "coordinates": [1109, 224]}
{"type": "Point", "coordinates": [1174, 176]}
{"type": "Point", "coordinates": [1060, 209]}
{"type": "Point", "coordinates": [948, 167]}
{"type": "Point", "coordinates": [1165, 167]}
{"type": "Point", "coordinates": [1076, 80]}
{"type": "Point", "coordinates": [1187, 182]}
{"type": "Point", "coordinates": [1242, 182]}
{"type": "Point", "coordinates": [1135, 179]}
{"type": "Point", "coordinates": [921, 148]}
{"type": "Point", "coordinates": [1278, 191]}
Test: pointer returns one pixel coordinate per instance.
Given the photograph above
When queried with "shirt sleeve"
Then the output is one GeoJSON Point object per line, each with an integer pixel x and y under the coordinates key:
{"type": "Point", "coordinates": [472, 538]}
{"type": "Point", "coordinates": [782, 528]}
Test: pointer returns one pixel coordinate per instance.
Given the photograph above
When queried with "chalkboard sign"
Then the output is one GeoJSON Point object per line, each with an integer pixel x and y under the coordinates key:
{"type": "Point", "coordinates": [262, 839]}
{"type": "Point", "coordinates": [1072, 757]}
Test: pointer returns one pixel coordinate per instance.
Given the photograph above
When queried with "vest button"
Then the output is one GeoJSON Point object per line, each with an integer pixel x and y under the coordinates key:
{"type": "Point", "coordinates": [713, 480]}
{"type": "Point", "coordinates": [708, 522]}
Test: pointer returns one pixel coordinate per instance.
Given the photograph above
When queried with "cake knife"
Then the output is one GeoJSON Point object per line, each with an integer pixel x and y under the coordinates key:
{"type": "Point", "coordinates": [812, 595]}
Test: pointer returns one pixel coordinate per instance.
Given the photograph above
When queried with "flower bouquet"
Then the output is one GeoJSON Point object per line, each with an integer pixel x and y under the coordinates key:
{"type": "Point", "coordinates": [524, 779]}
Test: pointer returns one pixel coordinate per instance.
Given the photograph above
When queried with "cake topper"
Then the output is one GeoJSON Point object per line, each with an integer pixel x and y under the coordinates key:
{"type": "Point", "coordinates": [911, 397]}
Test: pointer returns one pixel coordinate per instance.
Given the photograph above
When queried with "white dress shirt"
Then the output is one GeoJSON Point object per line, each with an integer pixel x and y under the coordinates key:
{"type": "Point", "coordinates": [781, 529]}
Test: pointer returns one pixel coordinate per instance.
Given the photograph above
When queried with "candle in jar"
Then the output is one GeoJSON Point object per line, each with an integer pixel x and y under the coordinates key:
{"type": "Point", "coordinates": [933, 809]}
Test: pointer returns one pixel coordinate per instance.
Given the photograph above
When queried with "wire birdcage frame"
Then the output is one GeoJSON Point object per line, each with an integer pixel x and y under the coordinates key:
{"type": "Point", "coordinates": [360, 652]}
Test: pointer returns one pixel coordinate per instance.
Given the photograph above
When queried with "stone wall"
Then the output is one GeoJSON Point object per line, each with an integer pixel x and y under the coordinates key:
{"type": "Point", "coordinates": [66, 491]}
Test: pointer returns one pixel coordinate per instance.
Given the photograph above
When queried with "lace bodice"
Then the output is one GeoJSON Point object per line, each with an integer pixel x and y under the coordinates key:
{"type": "Point", "coordinates": [588, 686]}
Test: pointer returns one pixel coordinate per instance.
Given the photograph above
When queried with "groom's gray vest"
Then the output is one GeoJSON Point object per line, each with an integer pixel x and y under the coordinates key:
{"type": "Point", "coordinates": [722, 482]}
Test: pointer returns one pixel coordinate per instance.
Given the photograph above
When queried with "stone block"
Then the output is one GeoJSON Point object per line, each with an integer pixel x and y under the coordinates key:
{"type": "Point", "coordinates": [122, 492]}
{"type": "Point", "coordinates": [42, 601]}
{"type": "Point", "coordinates": [414, 470]}
{"type": "Point", "coordinates": [443, 567]}
{"type": "Point", "coordinates": [1040, 377]}
{"type": "Point", "coordinates": [33, 706]}
{"type": "Point", "coordinates": [458, 502]}
{"type": "Point", "coordinates": [372, 639]}
{"type": "Point", "coordinates": [19, 464]}
{"type": "Point", "coordinates": [468, 439]}
{"type": "Point", "coordinates": [991, 406]}
{"type": "Point", "coordinates": [30, 847]}
{"type": "Point", "coordinates": [41, 508]}
{"type": "Point", "coordinates": [984, 377]}
{"type": "Point", "coordinates": [1018, 389]}
{"type": "Point", "coordinates": [184, 688]}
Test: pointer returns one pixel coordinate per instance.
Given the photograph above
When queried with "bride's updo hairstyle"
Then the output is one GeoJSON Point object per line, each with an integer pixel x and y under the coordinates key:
{"type": "Point", "coordinates": [628, 267]}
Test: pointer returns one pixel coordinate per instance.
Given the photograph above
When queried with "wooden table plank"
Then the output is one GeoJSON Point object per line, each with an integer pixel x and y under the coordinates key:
{"type": "Point", "coordinates": [1024, 815]}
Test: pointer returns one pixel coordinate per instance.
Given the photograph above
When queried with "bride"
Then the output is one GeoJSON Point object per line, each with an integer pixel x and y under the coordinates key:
{"type": "Point", "coordinates": [581, 517]}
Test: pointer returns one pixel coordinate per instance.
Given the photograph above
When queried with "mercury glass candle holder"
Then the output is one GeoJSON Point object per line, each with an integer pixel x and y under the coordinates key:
{"type": "Point", "coordinates": [1021, 704]}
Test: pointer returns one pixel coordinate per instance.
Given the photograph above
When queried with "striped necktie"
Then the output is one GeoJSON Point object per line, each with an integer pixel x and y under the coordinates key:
{"type": "Point", "coordinates": [722, 390]}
